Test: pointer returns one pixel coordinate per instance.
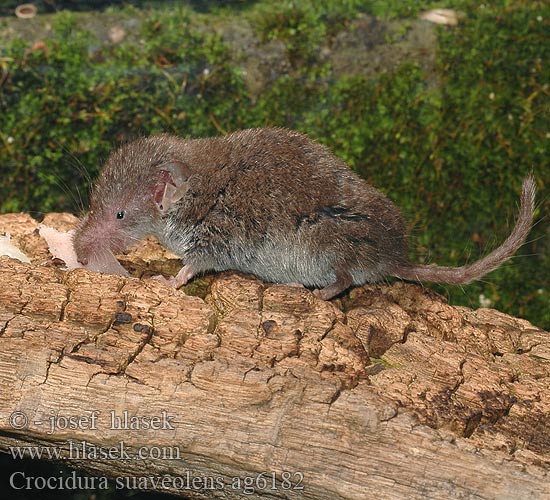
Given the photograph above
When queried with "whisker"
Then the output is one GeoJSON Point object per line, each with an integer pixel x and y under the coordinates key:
{"type": "Point", "coordinates": [67, 190]}
{"type": "Point", "coordinates": [76, 162]}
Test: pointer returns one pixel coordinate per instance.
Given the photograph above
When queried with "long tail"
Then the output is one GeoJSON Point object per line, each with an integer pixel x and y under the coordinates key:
{"type": "Point", "coordinates": [465, 274]}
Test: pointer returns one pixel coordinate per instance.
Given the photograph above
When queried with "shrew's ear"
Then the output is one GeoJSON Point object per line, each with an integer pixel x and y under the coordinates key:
{"type": "Point", "coordinates": [171, 185]}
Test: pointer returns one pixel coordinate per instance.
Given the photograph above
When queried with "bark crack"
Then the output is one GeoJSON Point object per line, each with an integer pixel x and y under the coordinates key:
{"type": "Point", "coordinates": [139, 349]}
{"type": "Point", "coordinates": [460, 379]}
{"type": "Point", "coordinates": [64, 304]}
{"type": "Point", "coordinates": [6, 325]}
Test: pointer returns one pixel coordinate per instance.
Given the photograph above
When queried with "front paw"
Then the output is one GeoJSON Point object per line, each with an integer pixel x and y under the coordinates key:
{"type": "Point", "coordinates": [171, 281]}
{"type": "Point", "coordinates": [184, 275]}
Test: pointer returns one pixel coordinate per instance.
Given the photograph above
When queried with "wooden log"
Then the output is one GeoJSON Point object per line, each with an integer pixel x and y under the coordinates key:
{"type": "Point", "coordinates": [265, 390]}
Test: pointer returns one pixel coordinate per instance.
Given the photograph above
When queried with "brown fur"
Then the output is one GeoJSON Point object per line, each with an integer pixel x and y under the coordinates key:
{"type": "Point", "coordinates": [270, 202]}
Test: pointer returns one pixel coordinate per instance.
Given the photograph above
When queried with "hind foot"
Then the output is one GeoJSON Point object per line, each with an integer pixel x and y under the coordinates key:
{"type": "Point", "coordinates": [342, 283]}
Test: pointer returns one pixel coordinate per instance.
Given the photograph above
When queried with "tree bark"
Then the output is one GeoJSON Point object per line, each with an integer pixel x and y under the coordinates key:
{"type": "Point", "coordinates": [388, 393]}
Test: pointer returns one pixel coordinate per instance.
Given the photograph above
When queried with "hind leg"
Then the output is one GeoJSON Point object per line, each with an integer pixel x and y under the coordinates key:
{"type": "Point", "coordinates": [343, 282]}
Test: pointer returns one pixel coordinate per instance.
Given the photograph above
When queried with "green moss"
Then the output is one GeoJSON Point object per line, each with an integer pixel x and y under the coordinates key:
{"type": "Point", "coordinates": [84, 97]}
{"type": "Point", "coordinates": [383, 362]}
{"type": "Point", "coordinates": [450, 147]}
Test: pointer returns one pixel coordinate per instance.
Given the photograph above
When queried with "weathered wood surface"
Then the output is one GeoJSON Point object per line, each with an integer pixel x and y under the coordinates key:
{"type": "Point", "coordinates": [390, 393]}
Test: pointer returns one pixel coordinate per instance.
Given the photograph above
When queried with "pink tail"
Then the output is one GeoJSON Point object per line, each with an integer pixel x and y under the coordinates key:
{"type": "Point", "coordinates": [465, 274]}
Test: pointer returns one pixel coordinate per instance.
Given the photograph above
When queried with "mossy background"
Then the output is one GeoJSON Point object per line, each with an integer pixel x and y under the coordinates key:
{"type": "Point", "coordinates": [449, 145]}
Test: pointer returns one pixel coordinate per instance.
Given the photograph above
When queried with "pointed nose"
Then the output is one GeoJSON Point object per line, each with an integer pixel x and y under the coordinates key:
{"type": "Point", "coordinates": [83, 260]}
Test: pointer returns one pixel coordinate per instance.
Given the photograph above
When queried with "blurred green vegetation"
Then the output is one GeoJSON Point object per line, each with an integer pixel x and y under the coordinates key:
{"type": "Point", "coordinates": [450, 146]}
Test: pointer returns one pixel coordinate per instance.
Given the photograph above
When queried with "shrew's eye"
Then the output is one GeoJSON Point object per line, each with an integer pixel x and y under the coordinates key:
{"type": "Point", "coordinates": [120, 215]}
